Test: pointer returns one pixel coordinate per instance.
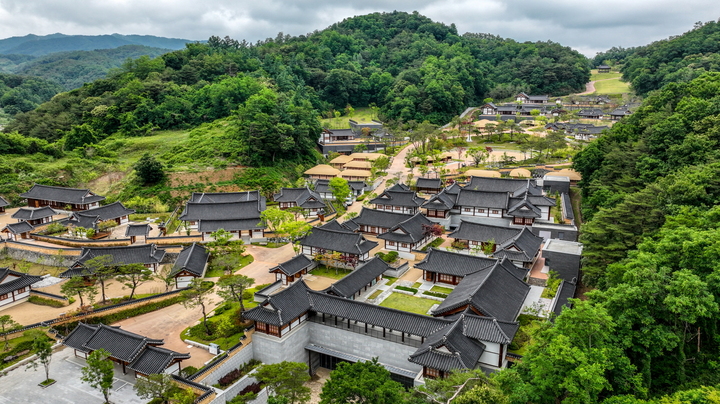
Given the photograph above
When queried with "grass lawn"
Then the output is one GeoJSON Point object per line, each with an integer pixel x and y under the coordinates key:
{"type": "Point", "coordinates": [416, 285]}
{"type": "Point", "coordinates": [25, 340]}
{"type": "Point", "coordinates": [440, 289]}
{"type": "Point", "coordinates": [375, 294]}
{"type": "Point", "coordinates": [360, 115]}
{"type": "Point", "coordinates": [268, 244]}
{"type": "Point", "coordinates": [602, 76]}
{"type": "Point", "coordinates": [245, 260]}
{"type": "Point", "coordinates": [224, 342]}
{"type": "Point", "coordinates": [612, 87]}
{"type": "Point", "coordinates": [575, 199]}
{"type": "Point", "coordinates": [408, 303]}
{"type": "Point", "coordinates": [433, 244]}
{"type": "Point", "coordinates": [391, 280]}
{"type": "Point", "coordinates": [328, 272]}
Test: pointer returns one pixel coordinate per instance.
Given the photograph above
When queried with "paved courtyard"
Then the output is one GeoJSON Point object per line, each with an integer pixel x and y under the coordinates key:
{"type": "Point", "coordinates": [21, 387]}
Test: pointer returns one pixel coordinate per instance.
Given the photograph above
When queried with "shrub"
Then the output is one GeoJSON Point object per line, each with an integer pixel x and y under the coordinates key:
{"type": "Point", "coordinates": [54, 228]}
{"type": "Point", "coordinates": [390, 257]}
{"type": "Point", "coordinates": [189, 371]}
{"type": "Point", "coordinates": [413, 290]}
{"type": "Point", "coordinates": [230, 378]}
{"type": "Point", "coordinates": [436, 294]}
{"type": "Point", "coordinates": [45, 302]}
{"type": "Point", "coordinates": [433, 244]}
{"type": "Point", "coordinates": [551, 287]}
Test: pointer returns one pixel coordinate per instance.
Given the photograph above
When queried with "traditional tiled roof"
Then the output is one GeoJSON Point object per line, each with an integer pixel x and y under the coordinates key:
{"type": "Point", "coordinates": [565, 291]}
{"type": "Point", "coordinates": [507, 240]}
{"type": "Point", "coordinates": [303, 197]}
{"type": "Point", "coordinates": [61, 194]}
{"type": "Point", "coordinates": [357, 185]}
{"type": "Point", "coordinates": [411, 230]}
{"type": "Point", "coordinates": [377, 218]}
{"type": "Point", "coordinates": [122, 345]}
{"type": "Point", "coordinates": [591, 112]}
{"type": "Point", "coordinates": [340, 241]}
{"type": "Point", "coordinates": [293, 265]}
{"type": "Point", "coordinates": [483, 232]}
{"type": "Point", "coordinates": [482, 199]}
{"type": "Point", "coordinates": [489, 329]}
{"type": "Point", "coordinates": [567, 207]}
{"type": "Point", "coordinates": [114, 210]}
{"type": "Point", "coordinates": [122, 255]}
{"type": "Point", "coordinates": [322, 186]}
{"type": "Point", "coordinates": [209, 226]}
{"type": "Point", "coordinates": [153, 360]}
{"type": "Point", "coordinates": [359, 278]}
{"type": "Point", "coordinates": [84, 220]}
{"type": "Point", "coordinates": [3, 202]}
{"type": "Point", "coordinates": [445, 262]}
{"type": "Point", "coordinates": [11, 280]}
{"type": "Point", "coordinates": [399, 187]}
{"type": "Point", "coordinates": [33, 213]}
{"type": "Point", "coordinates": [192, 259]}
{"type": "Point", "coordinates": [137, 230]}
{"type": "Point", "coordinates": [283, 307]}
{"type": "Point", "coordinates": [494, 292]}
{"type": "Point", "coordinates": [441, 201]}
{"type": "Point", "coordinates": [195, 211]}
{"type": "Point", "coordinates": [19, 227]}
{"type": "Point", "coordinates": [76, 338]}
{"type": "Point", "coordinates": [429, 183]}
{"type": "Point", "coordinates": [335, 225]}
{"type": "Point", "coordinates": [510, 185]}
{"type": "Point", "coordinates": [224, 197]}
{"type": "Point", "coordinates": [398, 198]}
{"type": "Point", "coordinates": [523, 208]}
{"type": "Point", "coordinates": [449, 349]}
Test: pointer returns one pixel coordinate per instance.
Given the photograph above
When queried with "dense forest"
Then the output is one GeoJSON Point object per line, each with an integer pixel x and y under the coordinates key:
{"type": "Point", "coordinates": [22, 93]}
{"type": "Point", "coordinates": [679, 58]}
{"type": "Point", "coordinates": [410, 67]}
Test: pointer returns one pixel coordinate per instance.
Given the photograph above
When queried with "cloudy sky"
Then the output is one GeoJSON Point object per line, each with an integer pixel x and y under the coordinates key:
{"type": "Point", "coordinates": [588, 26]}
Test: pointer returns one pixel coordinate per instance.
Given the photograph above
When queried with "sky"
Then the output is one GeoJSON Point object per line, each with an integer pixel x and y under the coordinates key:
{"type": "Point", "coordinates": [587, 26]}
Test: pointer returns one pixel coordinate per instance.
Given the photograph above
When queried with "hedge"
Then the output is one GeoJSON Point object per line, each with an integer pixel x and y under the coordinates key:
{"type": "Point", "coordinates": [413, 290]}
{"type": "Point", "coordinates": [436, 294]}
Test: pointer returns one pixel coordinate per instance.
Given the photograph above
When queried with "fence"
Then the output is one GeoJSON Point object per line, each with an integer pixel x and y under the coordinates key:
{"type": "Point", "coordinates": [47, 295]}
{"type": "Point", "coordinates": [90, 314]}
{"type": "Point", "coordinates": [175, 239]}
{"type": "Point", "coordinates": [19, 245]}
{"type": "Point", "coordinates": [81, 242]}
{"type": "Point", "coordinates": [205, 392]}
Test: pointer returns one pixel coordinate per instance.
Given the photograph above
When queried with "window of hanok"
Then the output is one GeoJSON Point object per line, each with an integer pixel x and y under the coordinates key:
{"type": "Point", "coordinates": [3, 296]}
{"type": "Point", "coordinates": [273, 330]}
{"type": "Point", "coordinates": [433, 373]}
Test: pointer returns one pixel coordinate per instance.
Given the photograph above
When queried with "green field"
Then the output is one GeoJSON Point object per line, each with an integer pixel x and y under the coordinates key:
{"type": "Point", "coordinates": [602, 76]}
{"type": "Point", "coordinates": [360, 115]}
{"type": "Point", "coordinates": [409, 303]}
{"type": "Point", "coordinates": [611, 87]}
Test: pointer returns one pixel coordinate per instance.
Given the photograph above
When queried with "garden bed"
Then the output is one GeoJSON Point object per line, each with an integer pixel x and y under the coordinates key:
{"type": "Point", "coordinates": [225, 327]}
{"type": "Point", "coordinates": [330, 272]}
{"type": "Point", "coordinates": [245, 260]}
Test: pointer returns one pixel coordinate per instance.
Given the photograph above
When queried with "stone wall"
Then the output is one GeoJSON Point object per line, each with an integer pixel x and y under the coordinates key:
{"type": "Point", "coordinates": [39, 256]}
{"type": "Point", "coordinates": [234, 361]}
{"type": "Point", "coordinates": [291, 347]}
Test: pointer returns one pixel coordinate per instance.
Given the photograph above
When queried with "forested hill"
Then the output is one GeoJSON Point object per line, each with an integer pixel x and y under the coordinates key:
{"type": "Point", "coordinates": [73, 69]}
{"type": "Point", "coordinates": [38, 45]}
{"type": "Point", "coordinates": [679, 58]}
{"type": "Point", "coordinates": [22, 93]}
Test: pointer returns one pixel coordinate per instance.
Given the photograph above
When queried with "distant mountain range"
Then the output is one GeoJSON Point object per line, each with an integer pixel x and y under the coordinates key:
{"type": "Point", "coordinates": [36, 45]}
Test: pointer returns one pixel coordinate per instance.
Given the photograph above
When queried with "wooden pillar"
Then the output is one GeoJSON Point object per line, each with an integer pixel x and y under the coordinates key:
{"type": "Point", "coordinates": [383, 332]}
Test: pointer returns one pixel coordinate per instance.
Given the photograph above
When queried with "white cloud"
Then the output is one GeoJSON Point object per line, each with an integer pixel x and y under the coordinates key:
{"type": "Point", "coordinates": [586, 26]}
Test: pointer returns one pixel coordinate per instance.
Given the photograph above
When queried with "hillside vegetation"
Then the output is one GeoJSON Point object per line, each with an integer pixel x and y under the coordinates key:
{"type": "Point", "coordinates": [38, 45]}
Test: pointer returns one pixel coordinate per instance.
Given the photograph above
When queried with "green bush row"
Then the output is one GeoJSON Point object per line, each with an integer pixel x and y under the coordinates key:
{"type": "Point", "coordinates": [45, 302]}
{"type": "Point", "coordinates": [405, 288]}
{"type": "Point", "coordinates": [436, 294]}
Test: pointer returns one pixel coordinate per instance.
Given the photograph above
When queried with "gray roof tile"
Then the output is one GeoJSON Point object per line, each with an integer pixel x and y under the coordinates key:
{"type": "Point", "coordinates": [192, 259]}
{"type": "Point", "coordinates": [358, 278]}
{"type": "Point", "coordinates": [61, 194]}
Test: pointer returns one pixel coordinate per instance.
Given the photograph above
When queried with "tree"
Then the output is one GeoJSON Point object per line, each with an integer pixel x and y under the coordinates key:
{"type": "Point", "coordinates": [295, 230]}
{"type": "Point", "coordinates": [273, 218]}
{"type": "Point", "coordinates": [340, 189]}
{"type": "Point", "coordinates": [163, 275]}
{"type": "Point", "coordinates": [197, 295]}
{"type": "Point", "coordinates": [361, 382]}
{"type": "Point", "coordinates": [7, 324]}
{"type": "Point", "coordinates": [77, 285]}
{"type": "Point", "coordinates": [478, 154]}
{"type": "Point", "coordinates": [99, 372]}
{"type": "Point", "coordinates": [156, 386]}
{"type": "Point", "coordinates": [133, 275]}
{"type": "Point", "coordinates": [381, 163]}
{"type": "Point", "coordinates": [149, 170]}
{"type": "Point", "coordinates": [99, 267]}
{"type": "Point", "coordinates": [469, 387]}
{"type": "Point", "coordinates": [286, 379]}
{"type": "Point", "coordinates": [43, 350]}
{"type": "Point", "coordinates": [231, 287]}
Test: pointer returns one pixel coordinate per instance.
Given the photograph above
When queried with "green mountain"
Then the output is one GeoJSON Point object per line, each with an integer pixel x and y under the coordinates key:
{"type": "Point", "coordinates": [42, 45]}
{"type": "Point", "coordinates": [73, 69]}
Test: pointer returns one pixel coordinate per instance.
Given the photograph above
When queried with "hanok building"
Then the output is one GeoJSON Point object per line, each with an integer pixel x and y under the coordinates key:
{"type": "Point", "coordinates": [15, 286]}
{"type": "Point", "coordinates": [34, 216]}
{"type": "Point", "coordinates": [359, 280]}
{"type": "Point", "coordinates": [339, 161]}
{"type": "Point", "coordinates": [447, 267]}
{"type": "Point", "coordinates": [428, 185]}
{"type": "Point", "coordinates": [322, 172]}
{"type": "Point", "coordinates": [591, 113]}
{"type": "Point", "coordinates": [358, 165]}
{"type": "Point", "coordinates": [619, 113]}
{"type": "Point", "coordinates": [532, 99]}
{"type": "Point", "coordinates": [146, 254]}
{"type": "Point", "coordinates": [521, 246]}
{"type": "Point", "coordinates": [143, 355]}
{"type": "Point", "coordinates": [3, 204]}
{"type": "Point", "coordinates": [408, 235]}
{"type": "Point", "coordinates": [90, 219]}
{"type": "Point", "coordinates": [372, 221]}
{"type": "Point", "coordinates": [603, 69]}
{"type": "Point", "coordinates": [302, 325]}
{"type": "Point", "coordinates": [18, 231]}
{"type": "Point", "coordinates": [190, 264]}
{"type": "Point", "coordinates": [293, 269]}
{"type": "Point", "coordinates": [61, 198]}
{"type": "Point", "coordinates": [322, 187]}
{"type": "Point", "coordinates": [353, 247]}
{"type": "Point", "coordinates": [310, 201]}
{"type": "Point", "coordinates": [235, 212]}
{"type": "Point", "coordinates": [355, 175]}
{"type": "Point", "coordinates": [400, 199]}
{"type": "Point", "coordinates": [134, 231]}
{"type": "Point", "coordinates": [521, 200]}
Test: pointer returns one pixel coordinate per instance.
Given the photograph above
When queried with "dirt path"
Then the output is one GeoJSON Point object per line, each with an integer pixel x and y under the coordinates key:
{"type": "Point", "coordinates": [590, 86]}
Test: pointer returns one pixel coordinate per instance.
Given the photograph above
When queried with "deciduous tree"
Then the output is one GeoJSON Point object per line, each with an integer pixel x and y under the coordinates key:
{"type": "Point", "coordinates": [198, 295]}
{"type": "Point", "coordinates": [361, 382]}
{"type": "Point", "coordinates": [286, 379]}
{"type": "Point", "coordinates": [99, 372]}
